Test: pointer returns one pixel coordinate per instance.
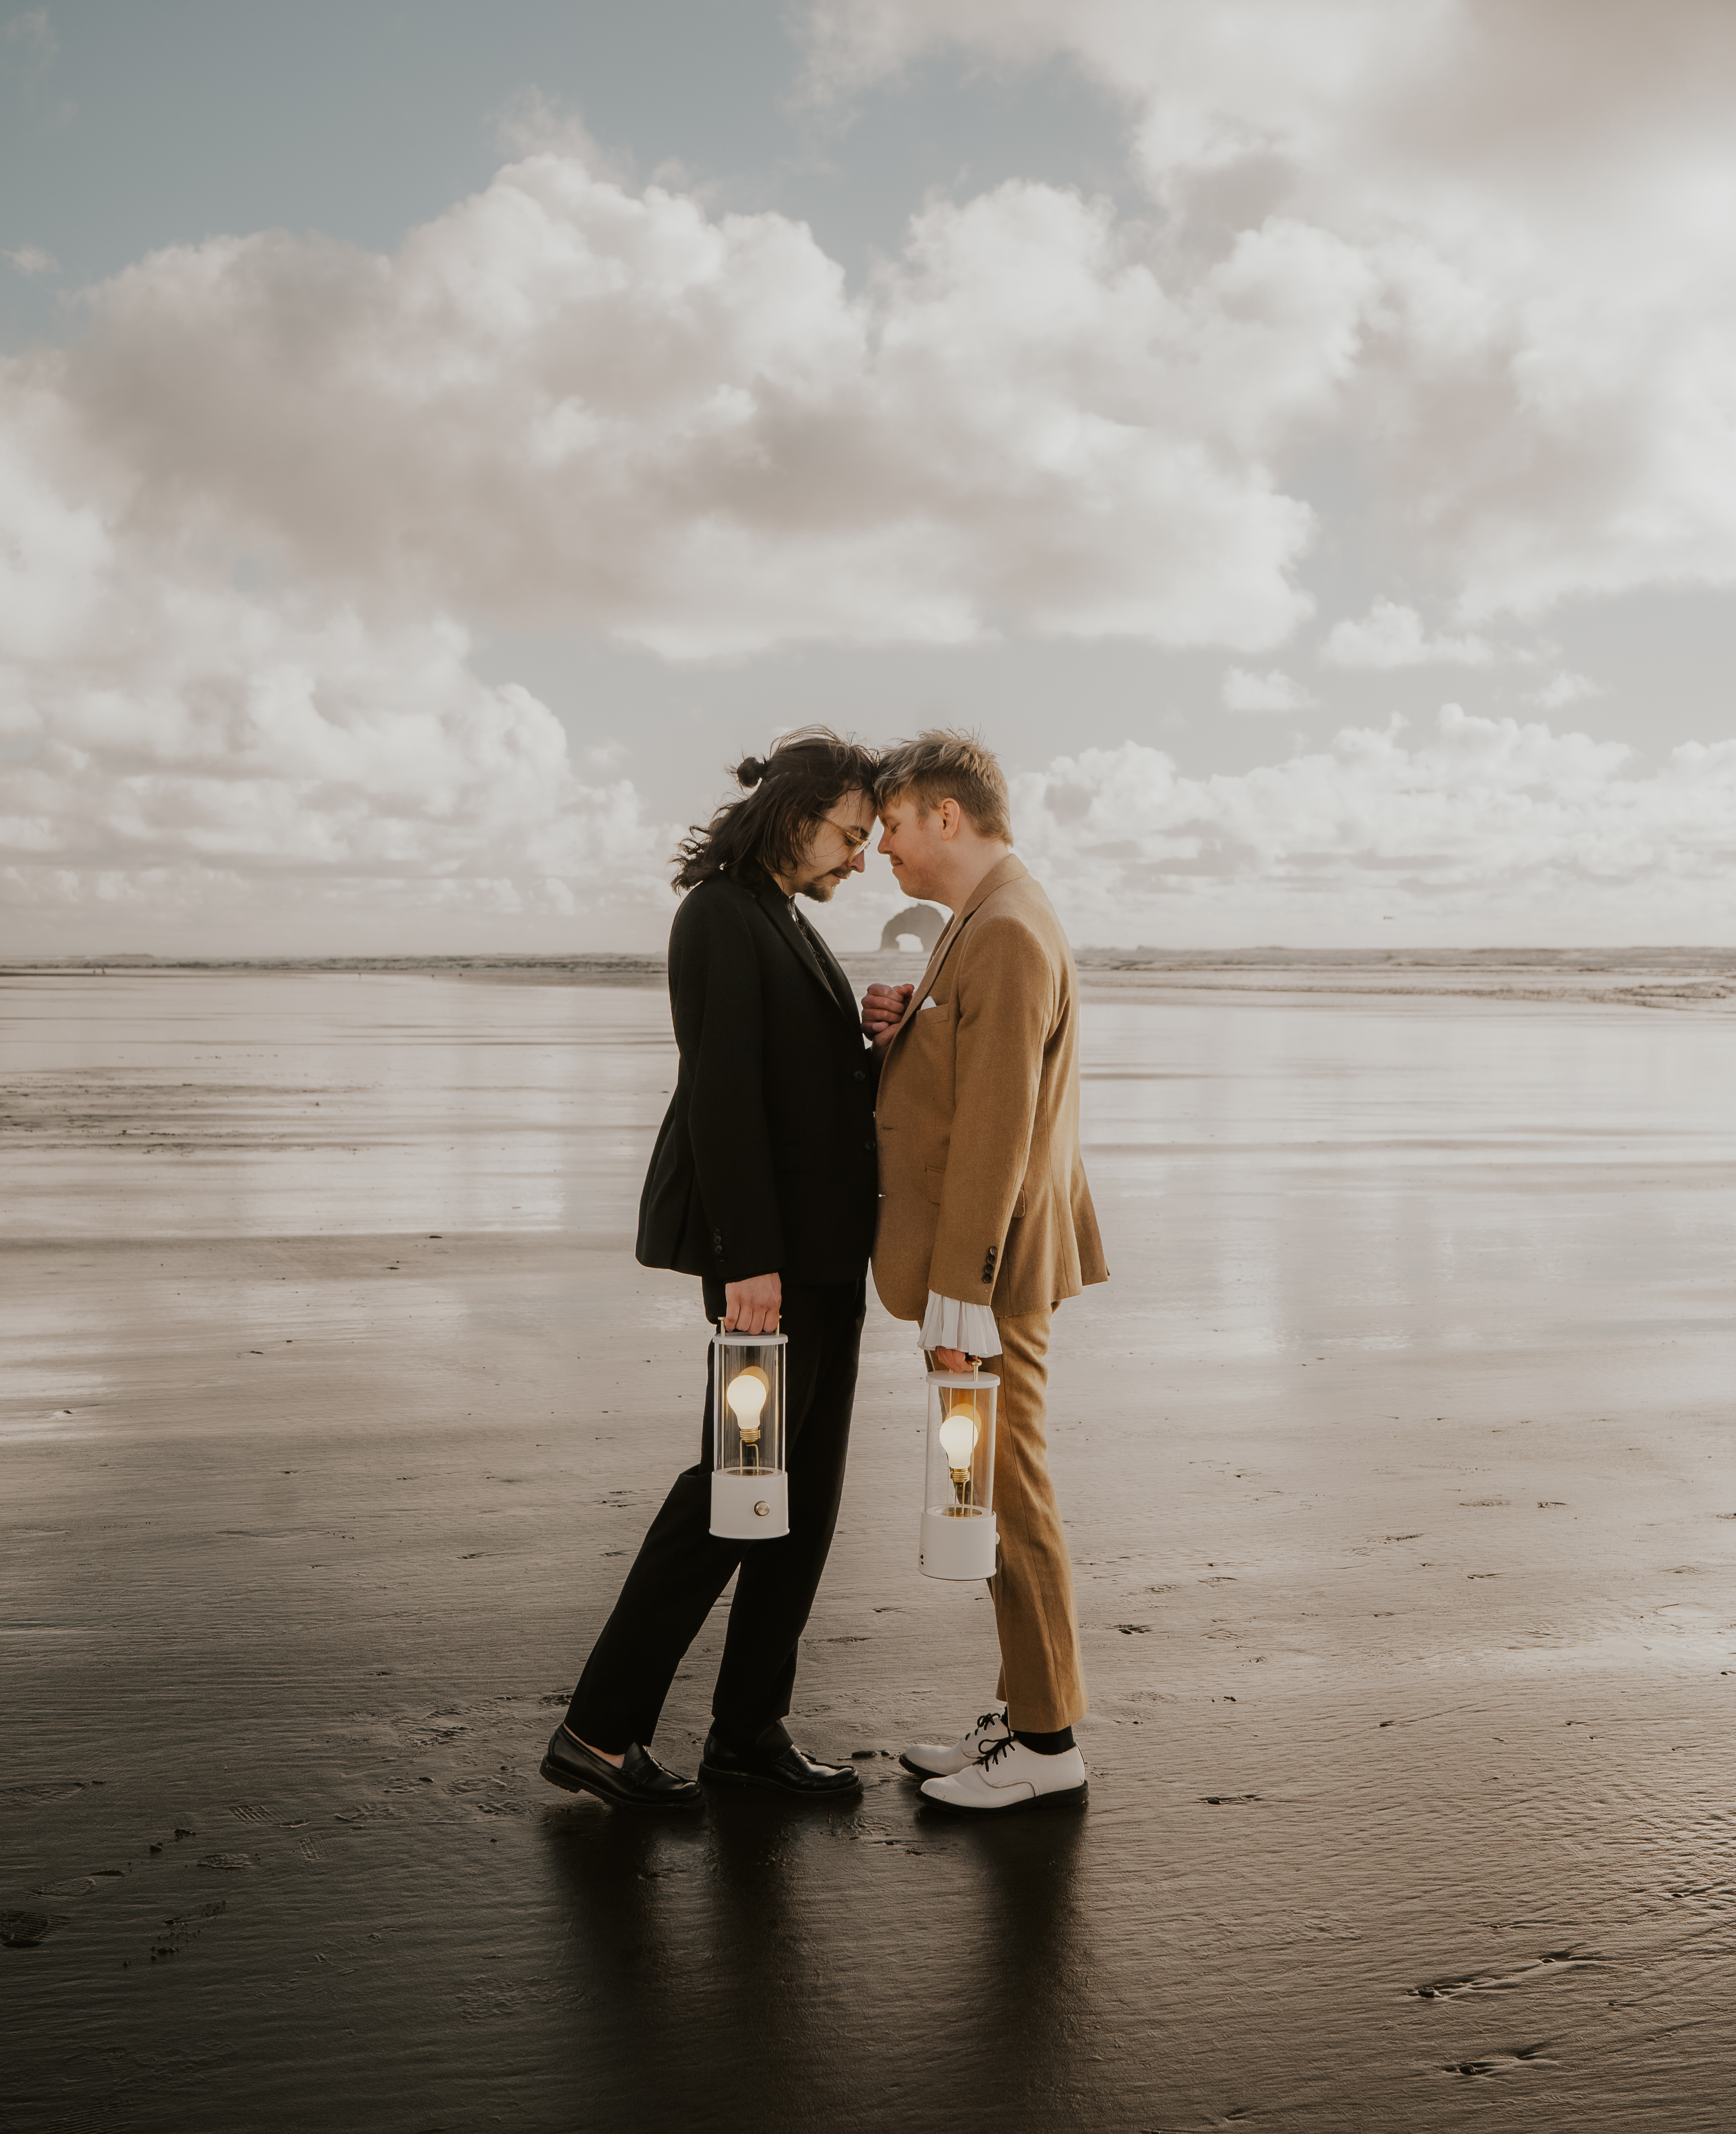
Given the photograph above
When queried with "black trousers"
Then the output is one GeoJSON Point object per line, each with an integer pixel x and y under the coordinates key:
{"type": "Point", "coordinates": [681, 1566]}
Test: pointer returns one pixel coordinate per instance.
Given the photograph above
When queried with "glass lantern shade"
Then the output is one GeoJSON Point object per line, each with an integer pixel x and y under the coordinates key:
{"type": "Point", "coordinates": [958, 1533]}
{"type": "Point", "coordinates": [749, 1487]}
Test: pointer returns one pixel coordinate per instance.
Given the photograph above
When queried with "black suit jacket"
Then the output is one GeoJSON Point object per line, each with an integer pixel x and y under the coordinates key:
{"type": "Point", "coordinates": [765, 1160]}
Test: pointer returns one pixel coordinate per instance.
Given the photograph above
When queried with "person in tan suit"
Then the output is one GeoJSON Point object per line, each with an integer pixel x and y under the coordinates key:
{"type": "Point", "coordinates": [987, 1222]}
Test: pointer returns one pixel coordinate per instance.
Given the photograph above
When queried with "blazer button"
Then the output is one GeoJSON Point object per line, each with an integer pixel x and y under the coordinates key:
{"type": "Point", "coordinates": [860, 1075]}
{"type": "Point", "coordinates": [869, 1146]}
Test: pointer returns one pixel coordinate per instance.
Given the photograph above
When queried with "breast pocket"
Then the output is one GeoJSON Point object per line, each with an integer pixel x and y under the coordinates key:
{"type": "Point", "coordinates": [929, 1045]}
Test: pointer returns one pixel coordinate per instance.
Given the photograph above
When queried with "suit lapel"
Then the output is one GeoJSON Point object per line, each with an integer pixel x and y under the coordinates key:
{"type": "Point", "coordinates": [837, 977]}
{"type": "Point", "coordinates": [776, 905]}
{"type": "Point", "coordinates": [1012, 868]}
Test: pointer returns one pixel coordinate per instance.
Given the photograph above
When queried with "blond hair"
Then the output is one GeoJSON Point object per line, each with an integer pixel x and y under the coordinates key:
{"type": "Point", "coordinates": [946, 764]}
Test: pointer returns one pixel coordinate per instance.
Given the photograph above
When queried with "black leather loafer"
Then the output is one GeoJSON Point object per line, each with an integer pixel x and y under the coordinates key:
{"type": "Point", "coordinates": [776, 1762]}
{"type": "Point", "coordinates": [641, 1781]}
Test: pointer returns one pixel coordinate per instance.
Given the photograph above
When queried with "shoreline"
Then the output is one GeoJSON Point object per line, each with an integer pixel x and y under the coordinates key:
{"type": "Point", "coordinates": [1654, 978]}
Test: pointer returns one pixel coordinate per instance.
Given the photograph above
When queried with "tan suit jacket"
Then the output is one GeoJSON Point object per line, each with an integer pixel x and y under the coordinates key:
{"type": "Point", "coordinates": [982, 1190]}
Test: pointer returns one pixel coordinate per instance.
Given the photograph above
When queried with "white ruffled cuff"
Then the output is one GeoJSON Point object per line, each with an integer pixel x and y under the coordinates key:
{"type": "Point", "coordinates": [947, 1324]}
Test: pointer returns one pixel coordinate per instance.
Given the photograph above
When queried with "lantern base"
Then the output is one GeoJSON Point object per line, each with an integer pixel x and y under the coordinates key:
{"type": "Point", "coordinates": [751, 1506]}
{"type": "Point", "coordinates": [956, 1549]}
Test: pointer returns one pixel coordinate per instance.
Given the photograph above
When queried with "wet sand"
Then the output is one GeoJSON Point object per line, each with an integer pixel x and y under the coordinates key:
{"type": "Point", "coordinates": [1397, 1461]}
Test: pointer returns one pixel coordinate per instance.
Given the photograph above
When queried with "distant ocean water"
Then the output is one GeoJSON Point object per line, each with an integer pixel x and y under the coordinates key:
{"type": "Point", "coordinates": [1661, 977]}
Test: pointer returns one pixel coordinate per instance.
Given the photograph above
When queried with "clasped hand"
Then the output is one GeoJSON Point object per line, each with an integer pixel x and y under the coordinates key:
{"type": "Point", "coordinates": [883, 1009]}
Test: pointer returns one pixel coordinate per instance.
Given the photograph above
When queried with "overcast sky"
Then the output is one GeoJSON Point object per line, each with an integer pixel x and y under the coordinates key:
{"type": "Point", "coordinates": [434, 438]}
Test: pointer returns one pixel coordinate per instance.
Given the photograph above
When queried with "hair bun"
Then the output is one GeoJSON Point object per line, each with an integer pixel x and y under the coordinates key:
{"type": "Point", "coordinates": [750, 771]}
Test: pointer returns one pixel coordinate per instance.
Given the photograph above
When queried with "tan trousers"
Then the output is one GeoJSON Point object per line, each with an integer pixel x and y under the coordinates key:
{"type": "Point", "coordinates": [1042, 1675]}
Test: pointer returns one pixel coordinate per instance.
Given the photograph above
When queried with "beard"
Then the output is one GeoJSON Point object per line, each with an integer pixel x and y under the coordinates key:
{"type": "Point", "coordinates": [820, 890]}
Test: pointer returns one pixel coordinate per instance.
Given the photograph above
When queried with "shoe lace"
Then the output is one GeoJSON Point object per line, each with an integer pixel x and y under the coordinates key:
{"type": "Point", "coordinates": [991, 1722]}
{"type": "Point", "coordinates": [1003, 1747]}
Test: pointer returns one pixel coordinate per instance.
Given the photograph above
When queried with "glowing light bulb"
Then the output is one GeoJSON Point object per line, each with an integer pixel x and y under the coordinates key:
{"type": "Point", "coordinates": [746, 1397]}
{"type": "Point", "coordinates": [958, 1439]}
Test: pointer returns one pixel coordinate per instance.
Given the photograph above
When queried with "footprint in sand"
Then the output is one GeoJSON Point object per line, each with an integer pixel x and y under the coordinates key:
{"type": "Point", "coordinates": [185, 1929]}
{"type": "Point", "coordinates": [1550, 1962]}
{"type": "Point", "coordinates": [28, 1929]}
{"type": "Point", "coordinates": [1502, 2062]}
{"type": "Point", "coordinates": [80, 1885]}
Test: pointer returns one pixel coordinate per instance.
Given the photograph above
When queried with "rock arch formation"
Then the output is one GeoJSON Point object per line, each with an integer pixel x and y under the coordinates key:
{"type": "Point", "coordinates": [922, 919]}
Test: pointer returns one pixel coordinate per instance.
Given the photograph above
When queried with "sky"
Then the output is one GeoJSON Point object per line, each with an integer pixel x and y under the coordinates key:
{"type": "Point", "coordinates": [435, 441]}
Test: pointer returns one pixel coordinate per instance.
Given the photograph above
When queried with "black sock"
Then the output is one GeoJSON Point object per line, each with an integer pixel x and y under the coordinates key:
{"type": "Point", "coordinates": [1046, 1744]}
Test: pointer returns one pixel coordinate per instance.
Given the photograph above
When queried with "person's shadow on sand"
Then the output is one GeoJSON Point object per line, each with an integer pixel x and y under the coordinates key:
{"type": "Point", "coordinates": [773, 1960]}
{"type": "Point", "coordinates": [1020, 1974]}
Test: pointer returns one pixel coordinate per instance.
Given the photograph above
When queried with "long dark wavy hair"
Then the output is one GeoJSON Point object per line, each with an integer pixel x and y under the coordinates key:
{"type": "Point", "coordinates": [784, 795]}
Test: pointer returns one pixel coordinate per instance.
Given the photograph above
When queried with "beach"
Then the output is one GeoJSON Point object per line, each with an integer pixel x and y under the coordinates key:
{"type": "Point", "coordinates": [1395, 1456]}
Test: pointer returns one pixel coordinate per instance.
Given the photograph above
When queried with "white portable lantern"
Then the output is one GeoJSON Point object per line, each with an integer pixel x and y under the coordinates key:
{"type": "Point", "coordinates": [749, 1487]}
{"type": "Point", "coordinates": [958, 1509]}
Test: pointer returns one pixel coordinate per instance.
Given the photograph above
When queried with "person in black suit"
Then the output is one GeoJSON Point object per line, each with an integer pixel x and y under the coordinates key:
{"type": "Point", "coordinates": [764, 1182]}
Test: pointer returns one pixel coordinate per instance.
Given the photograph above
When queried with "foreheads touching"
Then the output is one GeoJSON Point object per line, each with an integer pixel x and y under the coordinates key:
{"type": "Point", "coordinates": [805, 813]}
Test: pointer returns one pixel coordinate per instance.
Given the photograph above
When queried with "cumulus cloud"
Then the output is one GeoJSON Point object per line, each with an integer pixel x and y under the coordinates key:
{"type": "Point", "coordinates": [565, 401]}
{"type": "Point", "coordinates": [1534, 200]}
{"type": "Point", "coordinates": [1275, 691]}
{"type": "Point", "coordinates": [1508, 830]}
{"type": "Point", "coordinates": [255, 508]}
{"type": "Point", "coordinates": [1562, 690]}
{"type": "Point", "coordinates": [249, 517]}
{"type": "Point", "coordinates": [33, 259]}
{"type": "Point", "coordinates": [204, 751]}
{"type": "Point", "coordinates": [179, 745]}
{"type": "Point", "coordinates": [532, 124]}
{"type": "Point", "coordinates": [1393, 636]}
{"type": "Point", "coordinates": [253, 512]}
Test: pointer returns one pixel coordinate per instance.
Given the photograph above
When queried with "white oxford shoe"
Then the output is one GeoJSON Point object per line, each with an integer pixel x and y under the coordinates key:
{"type": "Point", "coordinates": [935, 1759]}
{"type": "Point", "coordinates": [1010, 1775]}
